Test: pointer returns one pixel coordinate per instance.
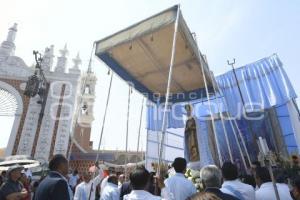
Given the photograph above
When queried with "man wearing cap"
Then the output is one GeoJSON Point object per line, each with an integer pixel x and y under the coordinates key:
{"type": "Point", "coordinates": [12, 188]}
{"type": "Point", "coordinates": [178, 187]}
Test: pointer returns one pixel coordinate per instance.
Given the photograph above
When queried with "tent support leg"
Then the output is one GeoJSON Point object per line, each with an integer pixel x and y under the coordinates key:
{"type": "Point", "coordinates": [209, 103]}
{"type": "Point", "coordinates": [235, 135]}
{"type": "Point", "coordinates": [223, 124]}
{"type": "Point", "coordinates": [140, 126]}
{"type": "Point", "coordinates": [164, 126]}
{"type": "Point", "coordinates": [238, 143]}
{"type": "Point", "coordinates": [243, 142]}
{"type": "Point", "coordinates": [104, 117]}
{"type": "Point", "coordinates": [253, 134]}
{"type": "Point", "coordinates": [127, 130]}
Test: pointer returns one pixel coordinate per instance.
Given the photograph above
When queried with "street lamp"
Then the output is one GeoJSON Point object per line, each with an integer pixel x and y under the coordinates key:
{"type": "Point", "coordinates": [37, 83]}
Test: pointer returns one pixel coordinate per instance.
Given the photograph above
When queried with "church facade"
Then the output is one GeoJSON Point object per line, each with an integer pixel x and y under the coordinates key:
{"type": "Point", "coordinates": [63, 124]}
{"type": "Point", "coordinates": [40, 135]}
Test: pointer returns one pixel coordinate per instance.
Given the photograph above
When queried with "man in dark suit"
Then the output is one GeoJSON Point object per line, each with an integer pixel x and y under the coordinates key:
{"type": "Point", "coordinates": [55, 185]}
{"type": "Point", "coordinates": [211, 178]}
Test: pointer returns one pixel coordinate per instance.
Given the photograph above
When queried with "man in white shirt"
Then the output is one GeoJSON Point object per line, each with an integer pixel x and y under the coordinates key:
{"type": "Point", "coordinates": [266, 189]}
{"type": "Point", "coordinates": [111, 190]}
{"type": "Point", "coordinates": [233, 186]}
{"type": "Point", "coordinates": [139, 179]}
{"type": "Point", "coordinates": [177, 186]}
{"type": "Point", "coordinates": [121, 180]}
{"type": "Point", "coordinates": [103, 184]}
{"type": "Point", "coordinates": [86, 189]}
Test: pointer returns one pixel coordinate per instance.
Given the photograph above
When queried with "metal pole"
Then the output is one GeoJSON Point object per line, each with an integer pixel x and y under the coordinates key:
{"type": "Point", "coordinates": [235, 135]}
{"type": "Point", "coordinates": [208, 100]}
{"type": "Point", "coordinates": [158, 136]}
{"type": "Point", "coordinates": [254, 137]}
{"type": "Point", "coordinates": [164, 127]}
{"type": "Point", "coordinates": [74, 122]}
{"type": "Point", "coordinates": [273, 180]}
{"type": "Point", "coordinates": [139, 133]}
{"type": "Point", "coordinates": [296, 107]}
{"type": "Point", "coordinates": [238, 143]}
{"type": "Point", "coordinates": [243, 142]}
{"type": "Point", "coordinates": [223, 124]}
{"type": "Point", "coordinates": [104, 116]}
{"type": "Point", "coordinates": [236, 79]}
{"type": "Point", "coordinates": [127, 130]}
{"type": "Point", "coordinates": [102, 130]}
{"type": "Point", "coordinates": [70, 149]}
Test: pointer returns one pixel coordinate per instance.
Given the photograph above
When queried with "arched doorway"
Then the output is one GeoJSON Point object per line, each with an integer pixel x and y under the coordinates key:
{"type": "Point", "coordinates": [11, 109]}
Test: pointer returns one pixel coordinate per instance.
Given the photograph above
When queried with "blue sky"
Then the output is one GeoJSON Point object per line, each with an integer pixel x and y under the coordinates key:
{"type": "Point", "coordinates": [243, 29]}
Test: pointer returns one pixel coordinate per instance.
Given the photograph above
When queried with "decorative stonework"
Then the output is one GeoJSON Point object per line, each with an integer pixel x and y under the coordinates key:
{"type": "Point", "coordinates": [30, 127]}
{"type": "Point", "coordinates": [48, 58]}
{"type": "Point", "coordinates": [48, 122]}
{"type": "Point", "coordinates": [33, 134]}
{"type": "Point", "coordinates": [62, 61]}
{"type": "Point", "coordinates": [14, 67]}
{"type": "Point", "coordinates": [64, 126]}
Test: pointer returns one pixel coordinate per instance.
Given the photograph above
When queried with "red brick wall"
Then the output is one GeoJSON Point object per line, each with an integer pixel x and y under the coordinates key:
{"type": "Point", "coordinates": [81, 165]}
{"type": "Point", "coordinates": [83, 141]}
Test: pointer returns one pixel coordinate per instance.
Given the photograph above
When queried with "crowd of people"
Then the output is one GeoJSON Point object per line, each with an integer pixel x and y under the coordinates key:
{"type": "Point", "coordinates": [223, 183]}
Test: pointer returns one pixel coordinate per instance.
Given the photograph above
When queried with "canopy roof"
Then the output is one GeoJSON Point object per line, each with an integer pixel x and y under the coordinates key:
{"type": "Point", "coordinates": [141, 54]}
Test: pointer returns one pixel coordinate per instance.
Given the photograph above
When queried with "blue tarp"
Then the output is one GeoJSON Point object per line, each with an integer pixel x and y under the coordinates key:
{"type": "Point", "coordinates": [264, 86]}
{"type": "Point", "coordinates": [286, 127]}
{"type": "Point", "coordinates": [263, 83]}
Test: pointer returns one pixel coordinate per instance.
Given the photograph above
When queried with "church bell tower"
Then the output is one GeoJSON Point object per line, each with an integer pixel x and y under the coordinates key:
{"type": "Point", "coordinates": [86, 100]}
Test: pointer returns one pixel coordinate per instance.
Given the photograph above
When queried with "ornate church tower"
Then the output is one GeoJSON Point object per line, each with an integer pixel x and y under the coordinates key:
{"type": "Point", "coordinates": [8, 46]}
{"type": "Point", "coordinates": [85, 111]}
{"type": "Point", "coordinates": [62, 60]}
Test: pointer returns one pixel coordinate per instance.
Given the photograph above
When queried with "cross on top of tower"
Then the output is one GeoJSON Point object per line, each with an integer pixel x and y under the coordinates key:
{"type": "Point", "coordinates": [77, 61]}
{"type": "Point", "coordinates": [11, 36]}
{"type": "Point", "coordinates": [64, 52]}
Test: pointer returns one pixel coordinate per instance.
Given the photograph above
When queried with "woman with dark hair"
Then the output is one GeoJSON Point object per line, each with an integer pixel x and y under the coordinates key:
{"type": "Point", "coordinates": [152, 186]}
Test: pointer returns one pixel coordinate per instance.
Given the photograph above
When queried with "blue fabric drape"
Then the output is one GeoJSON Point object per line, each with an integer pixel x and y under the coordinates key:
{"type": "Point", "coordinates": [286, 128]}
{"type": "Point", "coordinates": [263, 84]}
{"type": "Point", "coordinates": [174, 116]}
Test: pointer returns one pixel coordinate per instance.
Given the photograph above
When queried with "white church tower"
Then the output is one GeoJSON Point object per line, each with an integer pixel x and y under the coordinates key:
{"type": "Point", "coordinates": [85, 112]}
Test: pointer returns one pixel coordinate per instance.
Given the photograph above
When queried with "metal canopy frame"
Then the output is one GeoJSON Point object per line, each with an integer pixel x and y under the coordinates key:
{"type": "Point", "coordinates": [168, 64]}
{"type": "Point", "coordinates": [140, 54]}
